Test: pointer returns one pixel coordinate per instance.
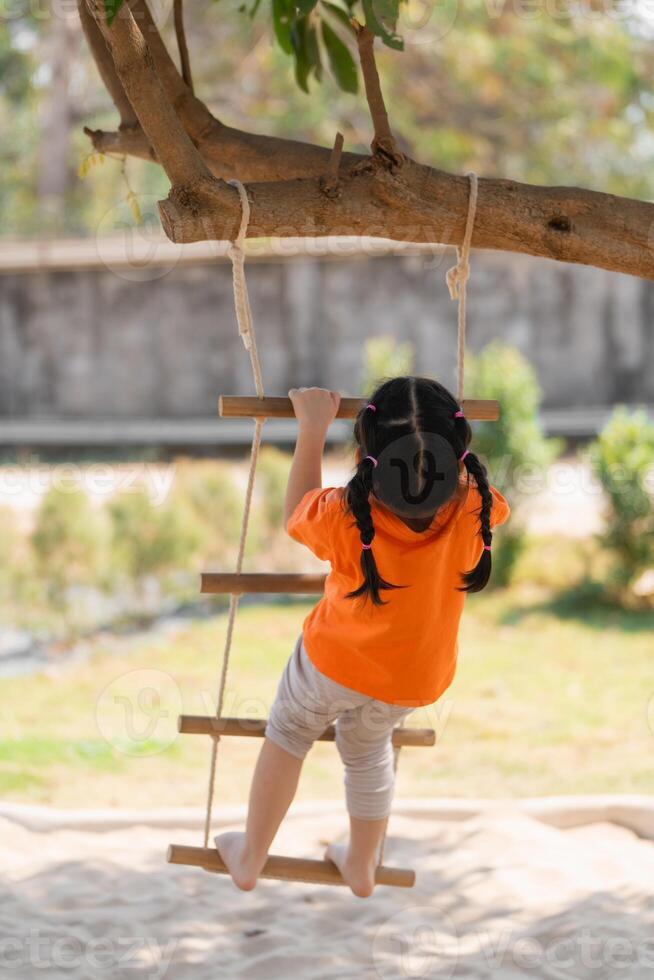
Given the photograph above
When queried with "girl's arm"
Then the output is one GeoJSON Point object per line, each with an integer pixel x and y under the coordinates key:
{"type": "Point", "coordinates": [315, 408]}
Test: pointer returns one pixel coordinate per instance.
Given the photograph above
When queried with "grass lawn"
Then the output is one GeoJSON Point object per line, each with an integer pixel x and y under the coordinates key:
{"type": "Point", "coordinates": [549, 698]}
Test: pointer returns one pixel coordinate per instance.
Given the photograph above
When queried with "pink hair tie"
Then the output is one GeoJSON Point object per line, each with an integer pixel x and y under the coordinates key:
{"type": "Point", "coordinates": [459, 415]}
{"type": "Point", "coordinates": [466, 453]}
{"type": "Point", "coordinates": [366, 547]}
{"type": "Point", "coordinates": [372, 459]}
{"type": "Point", "coordinates": [487, 547]}
{"type": "Point", "coordinates": [373, 408]}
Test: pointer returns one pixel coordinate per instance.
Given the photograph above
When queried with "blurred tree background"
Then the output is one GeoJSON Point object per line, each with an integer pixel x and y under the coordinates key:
{"type": "Point", "coordinates": [543, 93]}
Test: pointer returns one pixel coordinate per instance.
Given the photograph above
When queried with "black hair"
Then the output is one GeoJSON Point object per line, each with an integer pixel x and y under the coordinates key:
{"type": "Point", "coordinates": [411, 406]}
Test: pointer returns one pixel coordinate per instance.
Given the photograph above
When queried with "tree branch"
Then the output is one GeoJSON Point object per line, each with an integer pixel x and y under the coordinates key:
{"type": "Point", "coordinates": [227, 152]}
{"type": "Point", "coordinates": [104, 61]}
{"type": "Point", "coordinates": [134, 66]}
{"type": "Point", "coordinates": [230, 152]}
{"type": "Point", "coordinates": [383, 142]}
{"type": "Point", "coordinates": [329, 182]}
{"type": "Point", "coordinates": [124, 142]}
{"type": "Point", "coordinates": [180, 34]}
{"type": "Point", "coordinates": [420, 204]}
{"type": "Point", "coordinates": [198, 121]}
{"type": "Point", "coordinates": [196, 115]}
{"type": "Point", "coordinates": [413, 203]}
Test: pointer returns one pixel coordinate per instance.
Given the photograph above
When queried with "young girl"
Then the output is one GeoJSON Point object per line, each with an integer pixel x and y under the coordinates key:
{"type": "Point", "coordinates": [383, 639]}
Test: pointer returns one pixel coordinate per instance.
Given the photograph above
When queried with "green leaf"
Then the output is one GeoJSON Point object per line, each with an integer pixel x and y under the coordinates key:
{"type": "Point", "coordinates": [387, 11]}
{"type": "Point", "coordinates": [305, 6]}
{"type": "Point", "coordinates": [341, 15]}
{"type": "Point", "coordinates": [380, 12]}
{"type": "Point", "coordinates": [111, 8]}
{"type": "Point", "coordinates": [282, 19]}
{"type": "Point", "coordinates": [307, 52]}
{"type": "Point", "coordinates": [340, 59]}
{"type": "Point", "coordinates": [313, 51]}
{"type": "Point", "coordinates": [302, 69]}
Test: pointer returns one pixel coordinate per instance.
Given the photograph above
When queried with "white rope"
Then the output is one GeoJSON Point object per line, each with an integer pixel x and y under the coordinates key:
{"type": "Point", "coordinates": [246, 330]}
{"type": "Point", "coordinates": [231, 619]}
{"type": "Point", "coordinates": [457, 278]}
{"type": "Point", "coordinates": [241, 298]}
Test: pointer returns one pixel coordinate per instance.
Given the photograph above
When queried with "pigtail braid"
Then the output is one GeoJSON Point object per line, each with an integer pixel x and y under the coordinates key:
{"type": "Point", "coordinates": [357, 494]}
{"type": "Point", "coordinates": [475, 579]}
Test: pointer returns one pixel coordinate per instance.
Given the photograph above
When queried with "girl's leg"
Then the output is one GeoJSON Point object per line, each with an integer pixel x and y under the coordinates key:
{"type": "Point", "coordinates": [274, 785]}
{"type": "Point", "coordinates": [303, 707]}
{"type": "Point", "coordinates": [363, 737]}
{"type": "Point", "coordinates": [358, 859]}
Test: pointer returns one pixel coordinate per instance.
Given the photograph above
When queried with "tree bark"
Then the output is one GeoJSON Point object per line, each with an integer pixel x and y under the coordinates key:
{"type": "Point", "coordinates": [420, 204]}
{"type": "Point", "coordinates": [105, 66]}
{"type": "Point", "coordinates": [134, 65]}
{"type": "Point", "coordinates": [414, 203]}
{"type": "Point", "coordinates": [383, 140]}
{"type": "Point", "coordinates": [180, 33]}
{"type": "Point", "coordinates": [230, 152]}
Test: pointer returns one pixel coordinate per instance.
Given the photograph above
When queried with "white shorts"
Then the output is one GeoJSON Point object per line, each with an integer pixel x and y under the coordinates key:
{"type": "Point", "coordinates": [307, 702]}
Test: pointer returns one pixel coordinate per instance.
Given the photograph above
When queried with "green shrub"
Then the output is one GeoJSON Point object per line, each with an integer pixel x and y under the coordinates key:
{"type": "Point", "coordinates": [622, 458]}
{"type": "Point", "coordinates": [216, 504]}
{"type": "Point", "coordinates": [384, 357]}
{"type": "Point", "coordinates": [70, 542]}
{"type": "Point", "coordinates": [150, 540]}
{"type": "Point", "coordinates": [514, 448]}
{"type": "Point", "coordinates": [14, 558]}
{"type": "Point", "coordinates": [272, 477]}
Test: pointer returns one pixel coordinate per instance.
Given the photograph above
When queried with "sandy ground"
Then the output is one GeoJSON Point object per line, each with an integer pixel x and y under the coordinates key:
{"type": "Point", "coordinates": [499, 894]}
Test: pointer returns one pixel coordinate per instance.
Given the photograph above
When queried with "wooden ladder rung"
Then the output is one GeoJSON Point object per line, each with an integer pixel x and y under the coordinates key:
{"type": "Point", "coordinates": [248, 407]}
{"type": "Point", "coordinates": [287, 868]}
{"type": "Point", "coordinates": [215, 583]}
{"type": "Point", "coordinates": [256, 728]}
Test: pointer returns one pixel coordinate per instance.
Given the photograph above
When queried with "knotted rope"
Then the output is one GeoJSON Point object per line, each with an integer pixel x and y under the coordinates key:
{"type": "Point", "coordinates": [241, 298]}
{"type": "Point", "coordinates": [246, 330]}
{"type": "Point", "coordinates": [457, 279]}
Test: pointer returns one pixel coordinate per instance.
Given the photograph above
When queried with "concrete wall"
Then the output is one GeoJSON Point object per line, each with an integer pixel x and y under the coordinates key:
{"type": "Point", "coordinates": [94, 344]}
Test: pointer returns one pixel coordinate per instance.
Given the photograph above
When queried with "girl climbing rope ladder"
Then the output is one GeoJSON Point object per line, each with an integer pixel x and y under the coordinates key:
{"type": "Point", "coordinates": [407, 537]}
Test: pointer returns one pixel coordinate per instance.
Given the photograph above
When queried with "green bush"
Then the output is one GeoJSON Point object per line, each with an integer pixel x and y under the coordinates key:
{"type": "Point", "coordinates": [622, 458]}
{"type": "Point", "coordinates": [272, 477]}
{"type": "Point", "coordinates": [514, 448]}
{"type": "Point", "coordinates": [215, 502]}
{"type": "Point", "coordinates": [14, 558]}
{"type": "Point", "coordinates": [149, 540]}
{"type": "Point", "coordinates": [70, 541]}
{"type": "Point", "coordinates": [384, 357]}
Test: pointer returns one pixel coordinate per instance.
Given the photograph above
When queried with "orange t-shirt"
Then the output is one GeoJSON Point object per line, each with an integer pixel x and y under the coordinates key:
{"type": "Point", "coordinates": [403, 652]}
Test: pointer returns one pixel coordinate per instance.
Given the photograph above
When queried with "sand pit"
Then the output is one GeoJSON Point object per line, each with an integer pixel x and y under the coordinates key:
{"type": "Point", "coordinates": [500, 893]}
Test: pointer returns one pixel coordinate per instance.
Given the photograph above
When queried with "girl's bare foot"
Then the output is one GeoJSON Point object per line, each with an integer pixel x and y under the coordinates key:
{"type": "Point", "coordinates": [359, 876]}
{"type": "Point", "coordinates": [231, 847]}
